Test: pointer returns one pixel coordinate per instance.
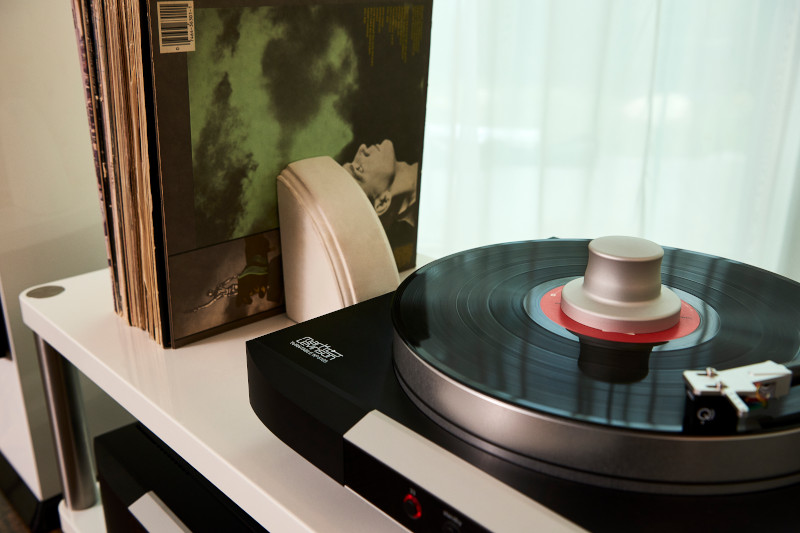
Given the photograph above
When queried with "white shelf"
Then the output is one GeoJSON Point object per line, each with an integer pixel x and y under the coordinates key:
{"type": "Point", "coordinates": [195, 399]}
{"type": "Point", "coordinates": [89, 520]}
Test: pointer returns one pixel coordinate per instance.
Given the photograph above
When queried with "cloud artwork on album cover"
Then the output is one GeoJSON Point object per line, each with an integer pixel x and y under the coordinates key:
{"type": "Point", "coordinates": [271, 85]}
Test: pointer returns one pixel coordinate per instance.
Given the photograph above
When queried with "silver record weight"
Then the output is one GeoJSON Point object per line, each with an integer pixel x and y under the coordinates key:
{"type": "Point", "coordinates": [621, 290]}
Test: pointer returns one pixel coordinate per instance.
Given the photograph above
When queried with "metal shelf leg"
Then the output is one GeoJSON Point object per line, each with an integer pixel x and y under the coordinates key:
{"type": "Point", "coordinates": [65, 407]}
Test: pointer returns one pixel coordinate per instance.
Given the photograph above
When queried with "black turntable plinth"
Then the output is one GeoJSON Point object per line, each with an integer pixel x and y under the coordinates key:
{"type": "Point", "coordinates": [465, 400]}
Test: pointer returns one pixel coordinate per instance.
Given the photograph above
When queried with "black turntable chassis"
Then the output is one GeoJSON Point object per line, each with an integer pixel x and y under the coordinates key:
{"type": "Point", "coordinates": [609, 457]}
{"type": "Point", "coordinates": [633, 468]}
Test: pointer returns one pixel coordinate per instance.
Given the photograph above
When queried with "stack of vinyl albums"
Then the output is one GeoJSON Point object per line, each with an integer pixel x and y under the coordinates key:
{"type": "Point", "coordinates": [194, 110]}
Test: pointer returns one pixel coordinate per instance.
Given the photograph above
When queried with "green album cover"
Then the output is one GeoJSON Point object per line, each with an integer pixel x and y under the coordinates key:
{"type": "Point", "coordinates": [244, 88]}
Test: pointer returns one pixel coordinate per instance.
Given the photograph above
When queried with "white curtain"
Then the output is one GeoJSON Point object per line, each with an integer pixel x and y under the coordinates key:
{"type": "Point", "coordinates": [675, 120]}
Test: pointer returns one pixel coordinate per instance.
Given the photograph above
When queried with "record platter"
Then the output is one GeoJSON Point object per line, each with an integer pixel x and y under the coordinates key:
{"type": "Point", "coordinates": [605, 385]}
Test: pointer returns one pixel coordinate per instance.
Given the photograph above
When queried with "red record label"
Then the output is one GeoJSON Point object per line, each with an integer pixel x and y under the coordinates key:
{"type": "Point", "coordinates": [688, 323]}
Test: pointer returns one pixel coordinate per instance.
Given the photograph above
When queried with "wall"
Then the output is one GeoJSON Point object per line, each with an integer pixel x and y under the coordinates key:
{"type": "Point", "coordinates": [50, 222]}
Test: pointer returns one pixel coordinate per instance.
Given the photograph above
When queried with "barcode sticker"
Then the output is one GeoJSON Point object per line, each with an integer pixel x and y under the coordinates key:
{"type": "Point", "coordinates": [176, 27]}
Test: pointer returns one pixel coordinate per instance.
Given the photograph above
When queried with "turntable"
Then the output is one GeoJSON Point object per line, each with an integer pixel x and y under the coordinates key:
{"type": "Point", "coordinates": [558, 384]}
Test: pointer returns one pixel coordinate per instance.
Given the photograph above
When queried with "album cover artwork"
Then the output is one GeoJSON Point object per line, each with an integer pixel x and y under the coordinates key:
{"type": "Point", "coordinates": [265, 86]}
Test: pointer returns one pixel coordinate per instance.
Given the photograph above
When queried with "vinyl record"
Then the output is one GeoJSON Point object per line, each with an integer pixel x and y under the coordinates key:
{"type": "Point", "coordinates": [476, 350]}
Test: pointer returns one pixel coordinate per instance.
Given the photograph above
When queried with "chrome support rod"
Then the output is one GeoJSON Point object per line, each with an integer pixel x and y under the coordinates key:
{"type": "Point", "coordinates": [65, 407]}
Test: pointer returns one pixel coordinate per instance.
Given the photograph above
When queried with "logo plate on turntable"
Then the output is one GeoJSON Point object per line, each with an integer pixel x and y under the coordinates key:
{"type": "Point", "coordinates": [318, 350]}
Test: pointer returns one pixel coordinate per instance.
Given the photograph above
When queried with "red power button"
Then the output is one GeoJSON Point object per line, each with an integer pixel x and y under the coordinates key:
{"type": "Point", "coordinates": [412, 507]}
